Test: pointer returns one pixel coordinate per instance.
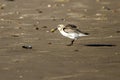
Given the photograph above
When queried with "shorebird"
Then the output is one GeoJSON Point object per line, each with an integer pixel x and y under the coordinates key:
{"type": "Point", "coordinates": [70, 31]}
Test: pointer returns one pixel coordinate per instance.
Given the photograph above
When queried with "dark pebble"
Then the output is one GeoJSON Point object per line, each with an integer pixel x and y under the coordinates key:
{"type": "Point", "coordinates": [49, 43]}
{"type": "Point", "coordinates": [118, 31]}
{"type": "Point", "coordinates": [10, 0]}
{"type": "Point", "coordinates": [37, 28]}
{"type": "Point", "coordinates": [63, 19]}
{"type": "Point", "coordinates": [44, 27]}
{"type": "Point", "coordinates": [76, 50]}
{"type": "Point", "coordinates": [15, 35]}
{"type": "Point", "coordinates": [1, 7]}
{"type": "Point", "coordinates": [27, 47]}
{"type": "Point", "coordinates": [39, 11]}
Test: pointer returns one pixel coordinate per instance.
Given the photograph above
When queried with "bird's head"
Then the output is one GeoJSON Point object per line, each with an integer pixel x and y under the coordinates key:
{"type": "Point", "coordinates": [59, 27]}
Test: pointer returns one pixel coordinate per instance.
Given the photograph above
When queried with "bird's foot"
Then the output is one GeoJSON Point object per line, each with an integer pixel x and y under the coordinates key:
{"type": "Point", "coordinates": [71, 43]}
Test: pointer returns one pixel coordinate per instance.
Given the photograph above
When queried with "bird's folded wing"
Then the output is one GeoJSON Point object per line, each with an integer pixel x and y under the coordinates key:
{"type": "Point", "coordinates": [73, 30]}
{"type": "Point", "coordinates": [70, 26]}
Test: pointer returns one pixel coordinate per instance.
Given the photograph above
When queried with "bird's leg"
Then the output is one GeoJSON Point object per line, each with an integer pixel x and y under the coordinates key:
{"type": "Point", "coordinates": [71, 43]}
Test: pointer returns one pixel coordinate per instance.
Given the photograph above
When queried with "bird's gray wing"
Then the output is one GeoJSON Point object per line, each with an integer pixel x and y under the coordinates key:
{"type": "Point", "coordinates": [71, 30]}
{"type": "Point", "coordinates": [74, 30]}
{"type": "Point", "coordinates": [71, 26]}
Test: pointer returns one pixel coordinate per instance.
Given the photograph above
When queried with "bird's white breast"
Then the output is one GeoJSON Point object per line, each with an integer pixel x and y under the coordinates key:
{"type": "Point", "coordinates": [70, 35]}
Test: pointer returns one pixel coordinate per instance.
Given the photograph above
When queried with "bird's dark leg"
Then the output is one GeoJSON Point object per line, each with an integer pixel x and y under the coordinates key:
{"type": "Point", "coordinates": [71, 43]}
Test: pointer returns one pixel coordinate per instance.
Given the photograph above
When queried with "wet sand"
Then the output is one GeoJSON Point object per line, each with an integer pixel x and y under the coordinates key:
{"type": "Point", "coordinates": [28, 22]}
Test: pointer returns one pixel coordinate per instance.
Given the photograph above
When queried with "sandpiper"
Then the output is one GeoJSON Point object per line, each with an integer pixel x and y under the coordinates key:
{"type": "Point", "coordinates": [70, 31]}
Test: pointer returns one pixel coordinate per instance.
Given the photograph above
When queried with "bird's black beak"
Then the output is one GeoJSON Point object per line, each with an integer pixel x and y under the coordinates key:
{"type": "Point", "coordinates": [53, 30]}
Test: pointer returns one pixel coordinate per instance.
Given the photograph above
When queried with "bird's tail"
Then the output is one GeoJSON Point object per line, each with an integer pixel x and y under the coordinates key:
{"type": "Point", "coordinates": [84, 34]}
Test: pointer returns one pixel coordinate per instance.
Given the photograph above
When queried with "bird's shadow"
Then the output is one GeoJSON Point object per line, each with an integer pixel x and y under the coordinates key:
{"type": "Point", "coordinates": [99, 45]}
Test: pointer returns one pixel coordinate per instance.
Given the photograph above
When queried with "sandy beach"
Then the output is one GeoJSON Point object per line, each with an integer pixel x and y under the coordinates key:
{"type": "Point", "coordinates": [28, 23]}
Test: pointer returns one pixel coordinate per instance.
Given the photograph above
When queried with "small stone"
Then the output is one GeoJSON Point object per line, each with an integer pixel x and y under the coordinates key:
{"type": "Point", "coordinates": [15, 35]}
{"type": "Point", "coordinates": [114, 11]}
{"type": "Point", "coordinates": [37, 28]}
{"type": "Point", "coordinates": [20, 76]}
{"type": "Point", "coordinates": [37, 22]}
{"type": "Point", "coordinates": [49, 43]}
{"type": "Point", "coordinates": [111, 36]}
{"type": "Point", "coordinates": [10, 0]}
{"type": "Point", "coordinates": [105, 7]}
{"type": "Point", "coordinates": [17, 12]}
{"type": "Point", "coordinates": [76, 50]}
{"type": "Point", "coordinates": [39, 11]}
{"type": "Point", "coordinates": [118, 31]}
{"type": "Point", "coordinates": [19, 27]}
{"type": "Point", "coordinates": [49, 5]}
{"type": "Point", "coordinates": [98, 14]}
{"type": "Point", "coordinates": [63, 19]}
{"type": "Point", "coordinates": [62, 5]}
{"type": "Point", "coordinates": [47, 31]}
{"type": "Point", "coordinates": [2, 6]}
{"type": "Point", "coordinates": [27, 47]}
{"type": "Point", "coordinates": [21, 17]}
{"type": "Point", "coordinates": [2, 19]}
{"type": "Point", "coordinates": [44, 27]}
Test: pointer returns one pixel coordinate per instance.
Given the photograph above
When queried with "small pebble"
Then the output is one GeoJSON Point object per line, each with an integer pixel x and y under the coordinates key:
{"type": "Point", "coordinates": [44, 27]}
{"type": "Point", "coordinates": [17, 12]}
{"type": "Point", "coordinates": [63, 19]}
{"type": "Point", "coordinates": [21, 17]}
{"type": "Point", "coordinates": [27, 47]}
{"type": "Point", "coordinates": [37, 28]}
{"type": "Point", "coordinates": [49, 5]}
{"type": "Point", "coordinates": [76, 50]}
{"type": "Point", "coordinates": [111, 36]}
{"type": "Point", "coordinates": [62, 5]}
{"type": "Point", "coordinates": [98, 14]}
{"type": "Point", "coordinates": [15, 35]}
{"type": "Point", "coordinates": [37, 22]}
{"type": "Point", "coordinates": [39, 11]}
{"type": "Point", "coordinates": [118, 31]}
{"type": "Point", "coordinates": [49, 43]}
{"type": "Point", "coordinates": [105, 7]}
{"type": "Point", "coordinates": [114, 11]}
{"type": "Point", "coordinates": [10, 0]}
{"type": "Point", "coordinates": [2, 19]}
{"type": "Point", "coordinates": [20, 76]}
{"type": "Point", "coordinates": [2, 6]}
{"type": "Point", "coordinates": [47, 31]}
